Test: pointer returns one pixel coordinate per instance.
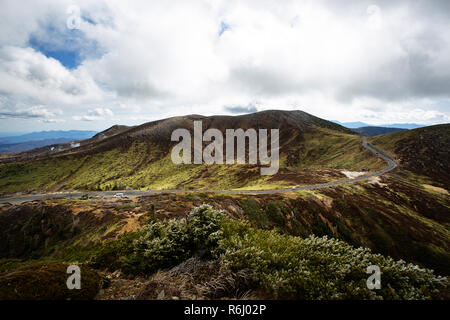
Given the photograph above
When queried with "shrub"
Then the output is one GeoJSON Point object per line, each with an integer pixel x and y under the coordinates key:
{"type": "Point", "coordinates": [320, 228]}
{"type": "Point", "coordinates": [164, 244]}
{"type": "Point", "coordinates": [283, 266]}
{"type": "Point", "coordinates": [204, 228]}
{"type": "Point", "coordinates": [276, 211]}
{"type": "Point", "coordinates": [320, 268]}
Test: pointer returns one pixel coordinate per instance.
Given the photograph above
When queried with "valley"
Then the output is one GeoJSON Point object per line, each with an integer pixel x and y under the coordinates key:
{"type": "Point", "coordinates": [338, 201]}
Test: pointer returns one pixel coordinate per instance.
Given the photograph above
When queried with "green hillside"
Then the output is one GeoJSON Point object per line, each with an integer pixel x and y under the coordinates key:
{"type": "Point", "coordinates": [312, 150]}
{"type": "Point", "coordinates": [143, 165]}
{"type": "Point", "coordinates": [424, 152]}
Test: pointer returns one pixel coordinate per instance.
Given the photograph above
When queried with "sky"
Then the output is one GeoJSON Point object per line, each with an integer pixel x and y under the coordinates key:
{"type": "Point", "coordinates": [92, 64]}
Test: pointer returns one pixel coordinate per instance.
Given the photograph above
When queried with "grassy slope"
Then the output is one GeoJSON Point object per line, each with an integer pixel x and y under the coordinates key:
{"type": "Point", "coordinates": [282, 265]}
{"type": "Point", "coordinates": [143, 166]}
{"type": "Point", "coordinates": [424, 152]}
{"type": "Point", "coordinates": [398, 217]}
{"type": "Point", "coordinates": [331, 149]}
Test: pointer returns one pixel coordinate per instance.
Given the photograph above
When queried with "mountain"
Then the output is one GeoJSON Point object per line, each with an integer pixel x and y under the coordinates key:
{"type": "Point", "coordinates": [30, 141]}
{"type": "Point", "coordinates": [352, 125]}
{"type": "Point", "coordinates": [375, 131]}
{"type": "Point", "coordinates": [11, 134]}
{"type": "Point", "coordinates": [44, 148]}
{"type": "Point", "coordinates": [311, 150]}
{"type": "Point", "coordinates": [403, 125]}
{"type": "Point", "coordinates": [358, 124]}
{"type": "Point", "coordinates": [46, 135]}
{"type": "Point", "coordinates": [423, 151]}
{"type": "Point", "coordinates": [29, 145]}
{"type": "Point", "coordinates": [116, 129]}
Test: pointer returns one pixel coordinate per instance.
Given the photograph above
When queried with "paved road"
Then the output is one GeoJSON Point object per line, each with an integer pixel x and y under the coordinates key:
{"type": "Point", "coordinates": [132, 193]}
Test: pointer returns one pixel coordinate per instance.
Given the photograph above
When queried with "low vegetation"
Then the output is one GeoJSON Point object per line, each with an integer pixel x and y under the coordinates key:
{"type": "Point", "coordinates": [255, 257]}
{"type": "Point", "coordinates": [424, 152]}
{"type": "Point", "coordinates": [143, 165]}
{"type": "Point", "coordinates": [283, 266]}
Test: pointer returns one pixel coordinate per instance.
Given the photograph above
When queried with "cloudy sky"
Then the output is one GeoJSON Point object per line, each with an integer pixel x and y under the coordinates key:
{"type": "Point", "coordinates": [91, 64]}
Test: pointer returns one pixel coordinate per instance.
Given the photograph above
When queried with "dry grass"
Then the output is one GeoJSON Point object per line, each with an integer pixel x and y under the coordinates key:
{"type": "Point", "coordinates": [198, 279]}
{"type": "Point", "coordinates": [435, 189]}
{"type": "Point", "coordinates": [194, 279]}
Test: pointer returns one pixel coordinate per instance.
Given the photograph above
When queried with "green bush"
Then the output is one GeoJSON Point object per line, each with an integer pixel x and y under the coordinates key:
{"type": "Point", "coordinates": [127, 206]}
{"type": "Point", "coordinates": [164, 244]}
{"type": "Point", "coordinates": [204, 228]}
{"type": "Point", "coordinates": [320, 268]}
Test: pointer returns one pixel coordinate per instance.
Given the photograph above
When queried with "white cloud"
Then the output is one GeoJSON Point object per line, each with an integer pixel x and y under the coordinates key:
{"type": "Point", "coordinates": [24, 112]}
{"type": "Point", "coordinates": [27, 73]}
{"type": "Point", "coordinates": [95, 115]}
{"type": "Point", "coordinates": [53, 120]}
{"type": "Point", "coordinates": [382, 61]}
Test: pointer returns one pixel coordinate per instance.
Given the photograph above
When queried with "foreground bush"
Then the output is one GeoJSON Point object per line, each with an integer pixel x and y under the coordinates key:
{"type": "Point", "coordinates": [284, 266]}
{"type": "Point", "coordinates": [321, 268]}
{"type": "Point", "coordinates": [164, 244]}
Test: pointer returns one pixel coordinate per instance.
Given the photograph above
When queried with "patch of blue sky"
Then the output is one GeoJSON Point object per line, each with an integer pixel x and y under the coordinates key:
{"type": "Point", "coordinates": [68, 58]}
{"type": "Point", "coordinates": [69, 47]}
{"type": "Point", "coordinates": [223, 27]}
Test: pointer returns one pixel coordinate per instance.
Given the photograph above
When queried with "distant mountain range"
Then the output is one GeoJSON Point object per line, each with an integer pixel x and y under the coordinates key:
{"type": "Point", "coordinates": [43, 135]}
{"type": "Point", "coordinates": [29, 145]}
{"type": "Point", "coordinates": [33, 140]}
{"type": "Point", "coordinates": [359, 124]}
{"type": "Point", "coordinates": [375, 131]}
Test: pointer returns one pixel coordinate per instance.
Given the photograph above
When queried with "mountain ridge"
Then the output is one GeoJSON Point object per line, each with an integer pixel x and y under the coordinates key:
{"type": "Point", "coordinates": [312, 150]}
{"type": "Point", "coordinates": [159, 131]}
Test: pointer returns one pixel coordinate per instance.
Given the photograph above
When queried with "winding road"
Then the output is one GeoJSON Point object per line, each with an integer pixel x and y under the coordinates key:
{"type": "Point", "coordinates": [392, 164]}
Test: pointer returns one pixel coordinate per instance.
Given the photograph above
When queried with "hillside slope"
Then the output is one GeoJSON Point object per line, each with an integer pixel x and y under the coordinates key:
{"type": "Point", "coordinates": [424, 151]}
{"type": "Point", "coordinates": [153, 248]}
{"type": "Point", "coordinates": [375, 131]}
{"type": "Point", "coordinates": [312, 150]}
